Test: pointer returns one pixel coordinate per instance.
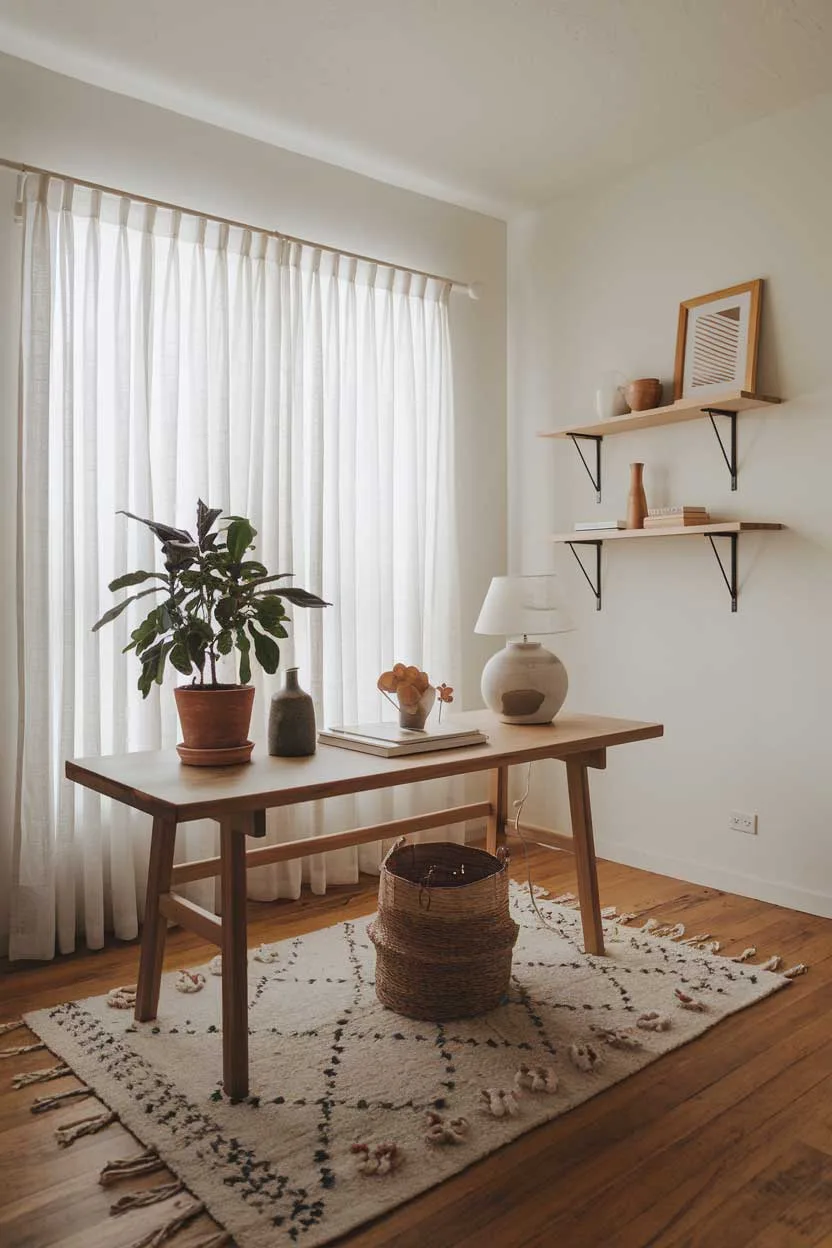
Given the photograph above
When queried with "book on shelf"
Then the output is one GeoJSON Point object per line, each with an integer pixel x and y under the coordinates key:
{"type": "Point", "coordinates": [589, 526]}
{"type": "Point", "coordinates": [390, 741]}
{"type": "Point", "coordinates": [677, 511]}
{"type": "Point", "coordinates": [675, 522]}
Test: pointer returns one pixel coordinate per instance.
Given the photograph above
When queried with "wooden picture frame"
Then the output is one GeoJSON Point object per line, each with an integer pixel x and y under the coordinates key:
{"type": "Point", "coordinates": [717, 341]}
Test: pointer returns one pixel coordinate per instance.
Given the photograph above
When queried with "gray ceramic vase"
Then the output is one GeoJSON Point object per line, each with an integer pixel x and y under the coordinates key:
{"type": "Point", "coordinates": [292, 720]}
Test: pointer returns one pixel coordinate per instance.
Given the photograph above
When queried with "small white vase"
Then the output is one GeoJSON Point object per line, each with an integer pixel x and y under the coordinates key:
{"type": "Point", "coordinates": [609, 396]}
{"type": "Point", "coordinates": [414, 717]}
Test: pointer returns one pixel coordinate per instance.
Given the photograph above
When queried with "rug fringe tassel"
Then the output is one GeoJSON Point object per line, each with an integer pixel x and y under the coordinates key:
{"type": "Point", "coordinates": [150, 1196]}
{"type": "Point", "coordinates": [794, 971]}
{"type": "Point", "coordinates": [745, 955]}
{"type": "Point", "coordinates": [40, 1076]}
{"type": "Point", "coordinates": [772, 964]}
{"type": "Point", "coordinates": [41, 1104]}
{"type": "Point", "coordinates": [69, 1132]}
{"type": "Point", "coordinates": [5, 1028]}
{"type": "Point", "coordinates": [146, 1162]}
{"type": "Point", "coordinates": [22, 1048]}
{"type": "Point", "coordinates": [154, 1239]}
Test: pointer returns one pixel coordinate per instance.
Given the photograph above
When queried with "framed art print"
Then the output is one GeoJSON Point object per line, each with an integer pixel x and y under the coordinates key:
{"type": "Point", "coordinates": [716, 346]}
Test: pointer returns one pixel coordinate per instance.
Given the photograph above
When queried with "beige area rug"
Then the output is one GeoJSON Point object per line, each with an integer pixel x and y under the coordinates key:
{"type": "Point", "coordinates": [332, 1069]}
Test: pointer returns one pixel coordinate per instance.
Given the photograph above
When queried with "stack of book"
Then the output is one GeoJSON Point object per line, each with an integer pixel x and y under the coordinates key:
{"type": "Point", "coordinates": [391, 741]}
{"type": "Point", "coordinates": [675, 517]}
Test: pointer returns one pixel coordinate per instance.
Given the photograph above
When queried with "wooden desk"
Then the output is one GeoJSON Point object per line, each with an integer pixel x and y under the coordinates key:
{"type": "Point", "coordinates": [238, 797]}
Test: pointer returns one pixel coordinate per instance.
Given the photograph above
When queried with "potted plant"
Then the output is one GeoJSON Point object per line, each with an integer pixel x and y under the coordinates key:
{"type": "Point", "coordinates": [215, 599]}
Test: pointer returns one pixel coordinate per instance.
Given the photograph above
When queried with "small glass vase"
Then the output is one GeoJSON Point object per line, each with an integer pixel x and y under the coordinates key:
{"type": "Point", "coordinates": [415, 717]}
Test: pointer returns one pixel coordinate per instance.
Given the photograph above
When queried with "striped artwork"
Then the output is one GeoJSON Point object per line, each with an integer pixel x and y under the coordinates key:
{"type": "Point", "coordinates": [716, 347]}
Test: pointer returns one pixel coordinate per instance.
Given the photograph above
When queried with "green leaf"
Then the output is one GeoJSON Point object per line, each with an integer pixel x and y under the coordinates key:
{"type": "Point", "coordinates": [132, 578]}
{"type": "Point", "coordinates": [116, 611]}
{"type": "Point", "coordinates": [160, 665]}
{"type": "Point", "coordinates": [251, 568]}
{"type": "Point", "coordinates": [164, 532]}
{"type": "Point", "coordinates": [145, 681]}
{"type": "Point", "coordinates": [205, 518]}
{"type": "Point", "coordinates": [238, 538]}
{"type": "Point", "coordinates": [244, 646]}
{"type": "Point", "coordinates": [266, 650]}
{"type": "Point", "coordinates": [266, 580]}
{"type": "Point", "coordinates": [270, 614]}
{"type": "Point", "coordinates": [225, 641]}
{"type": "Point", "coordinates": [180, 658]}
{"type": "Point", "coordinates": [302, 597]}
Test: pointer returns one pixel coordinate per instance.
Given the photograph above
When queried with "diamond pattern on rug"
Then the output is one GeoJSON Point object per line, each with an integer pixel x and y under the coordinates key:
{"type": "Point", "coordinates": [337, 1129]}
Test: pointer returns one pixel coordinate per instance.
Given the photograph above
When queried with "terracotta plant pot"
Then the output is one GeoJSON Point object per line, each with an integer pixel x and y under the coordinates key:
{"type": "Point", "coordinates": [644, 393]}
{"type": "Point", "coordinates": [215, 722]}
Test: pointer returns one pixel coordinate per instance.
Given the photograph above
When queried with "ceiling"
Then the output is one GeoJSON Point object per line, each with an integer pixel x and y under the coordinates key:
{"type": "Point", "coordinates": [498, 105]}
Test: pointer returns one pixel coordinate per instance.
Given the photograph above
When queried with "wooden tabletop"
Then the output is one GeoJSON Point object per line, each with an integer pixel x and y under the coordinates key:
{"type": "Point", "coordinates": [158, 783]}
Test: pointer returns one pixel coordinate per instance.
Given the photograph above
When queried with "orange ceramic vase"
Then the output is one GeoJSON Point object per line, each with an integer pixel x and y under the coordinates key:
{"type": "Point", "coordinates": [636, 499]}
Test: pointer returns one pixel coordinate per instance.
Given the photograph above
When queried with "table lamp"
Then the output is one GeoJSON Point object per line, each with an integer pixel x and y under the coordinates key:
{"type": "Point", "coordinates": [524, 683]}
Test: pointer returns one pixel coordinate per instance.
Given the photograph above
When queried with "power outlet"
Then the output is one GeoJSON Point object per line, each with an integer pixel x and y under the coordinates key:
{"type": "Point", "coordinates": [740, 821]}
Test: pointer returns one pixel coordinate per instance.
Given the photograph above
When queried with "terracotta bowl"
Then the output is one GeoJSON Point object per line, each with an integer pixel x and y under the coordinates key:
{"type": "Point", "coordinates": [644, 393]}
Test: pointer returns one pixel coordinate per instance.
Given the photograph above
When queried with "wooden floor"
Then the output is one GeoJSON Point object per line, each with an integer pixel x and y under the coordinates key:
{"type": "Point", "coordinates": [725, 1143]}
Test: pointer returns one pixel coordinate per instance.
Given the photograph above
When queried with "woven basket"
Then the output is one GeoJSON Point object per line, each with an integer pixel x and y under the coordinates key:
{"type": "Point", "coordinates": [443, 933]}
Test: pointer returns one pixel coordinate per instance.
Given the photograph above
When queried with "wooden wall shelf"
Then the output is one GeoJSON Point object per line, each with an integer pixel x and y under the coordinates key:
{"type": "Point", "coordinates": [724, 528]}
{"type": "Point", "coordinates": [728, 405]}
{"type": "Point", "coordinates": [719, 528]}
{"type": "Point", "coordinates": [682, 409]}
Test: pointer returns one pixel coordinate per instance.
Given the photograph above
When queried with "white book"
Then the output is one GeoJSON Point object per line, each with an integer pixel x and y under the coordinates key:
{"type": "Point", "coordinates": [391, 741]}
{"type": "Point", "coordinates": [588, 526]}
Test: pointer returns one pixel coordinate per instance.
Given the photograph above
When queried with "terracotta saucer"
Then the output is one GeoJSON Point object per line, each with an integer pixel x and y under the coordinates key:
{"type": "Point", "coordinates": [215, 758]}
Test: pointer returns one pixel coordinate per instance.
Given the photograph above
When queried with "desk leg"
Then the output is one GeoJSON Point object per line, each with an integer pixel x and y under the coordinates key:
{"type": "Point", "coordinates": [234, 962]}
{"type": "Point", "coordinates": [155, 926]}
{"type": "Point", "coordinates": [498, 796]}
{"type": "Point", "coordinates": [578, 782]}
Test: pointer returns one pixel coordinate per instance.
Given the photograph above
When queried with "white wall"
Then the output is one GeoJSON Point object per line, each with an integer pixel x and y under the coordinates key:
{"type": "Point", "coordinates": [61, 124]}
{"type": "Point", "coordinates": [746, 699]}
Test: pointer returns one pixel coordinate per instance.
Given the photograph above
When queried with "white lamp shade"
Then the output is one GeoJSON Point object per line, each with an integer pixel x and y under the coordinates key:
{"type": "Point", "coordinates": [524, 606]}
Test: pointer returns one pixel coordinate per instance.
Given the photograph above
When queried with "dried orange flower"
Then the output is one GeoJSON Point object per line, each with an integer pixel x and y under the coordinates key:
{"type": "Point", "coordinates": [405, 684]}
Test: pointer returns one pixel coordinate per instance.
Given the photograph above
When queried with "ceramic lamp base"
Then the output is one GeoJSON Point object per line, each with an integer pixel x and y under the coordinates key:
{"type": "Point", "coordinates": [524, 683]}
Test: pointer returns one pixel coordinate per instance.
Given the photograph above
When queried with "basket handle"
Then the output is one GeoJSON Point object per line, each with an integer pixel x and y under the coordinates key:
{"type": "Point", "coordinates": [399, 844]}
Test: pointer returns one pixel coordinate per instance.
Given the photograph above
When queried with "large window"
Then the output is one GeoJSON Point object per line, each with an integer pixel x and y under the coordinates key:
{"type": "Point", "coordinates": [166, 358]}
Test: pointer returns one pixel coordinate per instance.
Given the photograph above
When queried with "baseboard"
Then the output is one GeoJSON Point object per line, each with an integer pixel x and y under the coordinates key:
{"type": "Point", "coordinates": [779, 894]}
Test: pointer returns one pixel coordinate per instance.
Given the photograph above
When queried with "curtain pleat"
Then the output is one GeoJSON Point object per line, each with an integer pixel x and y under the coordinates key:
{"type": "Point", "coordinates": [165, 358]}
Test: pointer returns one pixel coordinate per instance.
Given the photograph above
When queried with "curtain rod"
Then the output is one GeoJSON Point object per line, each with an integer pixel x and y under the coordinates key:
{"type": "Point", "coordinates": [471, 289]}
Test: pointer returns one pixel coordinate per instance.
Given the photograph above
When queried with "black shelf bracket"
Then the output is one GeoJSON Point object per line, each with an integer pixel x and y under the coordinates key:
{"type": "Point", "coordinates": [732, 583]}
{"type": "Point", "coordinates": [595, 585]}
{"type": "Point", "coordinates": [732, 460]}
{"type": "Point", "coordinates": [595, 477]}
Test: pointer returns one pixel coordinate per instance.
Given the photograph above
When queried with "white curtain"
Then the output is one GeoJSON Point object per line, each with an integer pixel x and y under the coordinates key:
{"type": "Point", "coordinates": [166, 358]}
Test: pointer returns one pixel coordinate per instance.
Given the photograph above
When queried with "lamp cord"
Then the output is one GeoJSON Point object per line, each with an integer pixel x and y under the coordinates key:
{"type": "Point", "coordinates": [518, 804]}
